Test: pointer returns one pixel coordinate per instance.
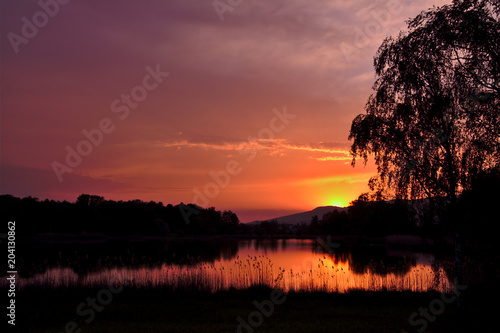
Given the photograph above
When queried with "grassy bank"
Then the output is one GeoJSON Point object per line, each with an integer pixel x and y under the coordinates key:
{"type": "Point", "coordinates": [164, 310]}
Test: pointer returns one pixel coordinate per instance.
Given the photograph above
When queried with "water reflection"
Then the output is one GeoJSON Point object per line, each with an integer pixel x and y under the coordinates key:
{"type": "Point", "coordinates": [222, 264]}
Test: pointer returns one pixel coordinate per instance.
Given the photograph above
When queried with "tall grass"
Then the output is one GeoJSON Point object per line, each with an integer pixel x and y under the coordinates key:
{"type": "Point", "coordinates": [318, 273]}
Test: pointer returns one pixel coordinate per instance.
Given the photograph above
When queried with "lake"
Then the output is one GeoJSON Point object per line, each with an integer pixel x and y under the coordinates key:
{"type": "Point", "coordinates": [298, 264]}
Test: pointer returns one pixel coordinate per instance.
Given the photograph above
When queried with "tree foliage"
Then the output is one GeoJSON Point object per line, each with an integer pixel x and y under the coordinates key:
{"type": "Point", "coordinates": [92, 214]}
{"type": "Point", "coordinates": [433, 120]}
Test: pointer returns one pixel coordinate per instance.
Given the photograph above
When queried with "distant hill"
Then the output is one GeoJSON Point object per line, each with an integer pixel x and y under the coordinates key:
{"type": "Point", "coordinates": [305, 216]}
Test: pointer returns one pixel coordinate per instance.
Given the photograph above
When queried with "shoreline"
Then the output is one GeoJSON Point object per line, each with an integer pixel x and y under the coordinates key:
{"type": "Point", "coordinates": [402, 242]}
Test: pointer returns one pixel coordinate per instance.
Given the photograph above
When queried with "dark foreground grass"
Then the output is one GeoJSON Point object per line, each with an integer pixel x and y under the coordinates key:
{"type": "Point", "coordinates": [163, 310]}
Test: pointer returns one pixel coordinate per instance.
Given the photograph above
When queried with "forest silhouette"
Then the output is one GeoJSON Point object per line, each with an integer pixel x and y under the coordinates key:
{"type": "Point", "coordinates": [92, 215]}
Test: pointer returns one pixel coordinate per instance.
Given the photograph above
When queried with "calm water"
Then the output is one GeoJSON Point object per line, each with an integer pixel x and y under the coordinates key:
{"type": "Point", "coordinates": [216, 265]}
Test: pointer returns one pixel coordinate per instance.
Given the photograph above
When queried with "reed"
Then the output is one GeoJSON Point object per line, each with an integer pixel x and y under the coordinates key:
{"type": "Point", "coordinates": [318, 273]}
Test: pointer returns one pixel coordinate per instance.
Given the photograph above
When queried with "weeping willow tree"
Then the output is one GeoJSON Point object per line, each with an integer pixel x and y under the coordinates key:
{"type": "Point", "coordinates": [432, 123]}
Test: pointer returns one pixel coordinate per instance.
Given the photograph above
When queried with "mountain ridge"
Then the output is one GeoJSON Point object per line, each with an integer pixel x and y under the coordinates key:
{"type": "Point", "coordinates": [303, 217]}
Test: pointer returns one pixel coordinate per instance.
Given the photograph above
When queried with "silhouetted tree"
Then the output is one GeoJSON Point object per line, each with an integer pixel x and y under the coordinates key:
{"type": "Point", "coordinates": [433, 121]}
{"type": "Point", "coordinates": [314, 225]}
{"type": "Point", "coordinates": [89, 200]}
{"type": "Point", "coordinates": [478, 207]}
{"type": "Point", "coordinates": [336, 223]}
{"type": "Point", "coordinates": [267, 228]}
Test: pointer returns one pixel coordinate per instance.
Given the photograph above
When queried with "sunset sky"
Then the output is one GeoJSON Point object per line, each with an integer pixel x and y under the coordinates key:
{"type": "Point", "coordinates": [254, 112]}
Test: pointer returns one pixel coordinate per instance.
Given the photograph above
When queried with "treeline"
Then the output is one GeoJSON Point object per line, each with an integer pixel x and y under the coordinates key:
{"type": "Point", "coordinates": [476, 214]}
{"type": "Point", "coordinates": [92, 214]}
{"type": "Point", "coordinates": [362, 218]}
{"type": "Point", "coordinates": [366, 218]}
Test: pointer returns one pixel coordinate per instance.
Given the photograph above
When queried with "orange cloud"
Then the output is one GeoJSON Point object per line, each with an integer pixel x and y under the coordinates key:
{"type": "Point", "coordinates": [272, 145]}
